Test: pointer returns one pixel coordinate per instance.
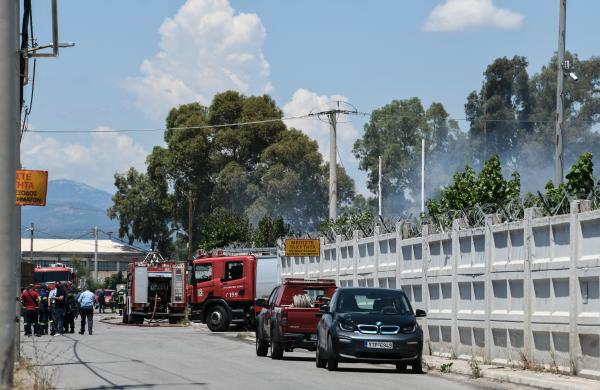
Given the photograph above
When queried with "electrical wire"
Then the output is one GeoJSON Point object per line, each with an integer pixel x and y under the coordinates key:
{"type": "Point", "coordinates": [66, 242]}
{"type": "Point", "coordinates": [123, 242]}
{"type": "Point", "coordinates": [171, 128]}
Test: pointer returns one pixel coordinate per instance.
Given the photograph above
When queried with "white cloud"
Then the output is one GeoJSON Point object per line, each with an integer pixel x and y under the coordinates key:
{"type": "Point", "coordinates": [204, 49]}
{"type": "Point", "coordinates": [93, 164]}
{"type": "Point", "coordinates": [304, 101]}
{"type": "Point", "coordinates": [458, 15]}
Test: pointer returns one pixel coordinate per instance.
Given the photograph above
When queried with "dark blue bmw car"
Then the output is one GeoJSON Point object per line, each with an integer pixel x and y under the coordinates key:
{"type": "Point", "coordinates": [369, 325]}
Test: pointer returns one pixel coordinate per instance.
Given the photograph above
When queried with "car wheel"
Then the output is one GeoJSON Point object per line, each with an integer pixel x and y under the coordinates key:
{"type": "Point", "coordinates": [262, 347]}
{"type": "Point", "coordinates": [320, 361]}
{"type": "Point", "coordinates": [401, 367]}
{"type": "Point", "coordinates": [332, 362]}
{"type": "Point", "coordinates": [417, 366]}
{"type": "Point", "coordinates": [276, 350]}
{"type": "Point", "coordinates": [217, 319]}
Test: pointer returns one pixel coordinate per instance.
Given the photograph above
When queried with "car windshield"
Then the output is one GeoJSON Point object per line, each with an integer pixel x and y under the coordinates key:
{"type": "Point", "coordinates": [376, 301]}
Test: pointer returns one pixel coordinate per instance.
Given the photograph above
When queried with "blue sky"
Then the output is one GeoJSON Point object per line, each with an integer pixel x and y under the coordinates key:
{"type": "Point", "coordinates": [302, 52]}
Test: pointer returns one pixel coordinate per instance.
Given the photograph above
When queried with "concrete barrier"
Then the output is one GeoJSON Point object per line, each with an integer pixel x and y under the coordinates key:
{"type": "Point", "coordinates": [523, 293]}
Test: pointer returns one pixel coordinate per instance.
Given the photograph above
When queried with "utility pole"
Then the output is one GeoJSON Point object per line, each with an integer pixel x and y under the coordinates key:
{"type": "Point", "coordinates": [9, 128]}
{"type": "Point", "coordinates": [379, 188]}
{"type": "Point", "coordinates": [423, 175]}
{"type": "Point", "coordinates": [31, 229]}
{"type": "Point", "coordinates": [96, 253]}
{"type": "Point", "coordinates": [332, 165]}
{"type": "Point", "coordinates": [190, 212]}
{"type": "Point", "coordinates": [331, 116]}
{"type": "Point", "coordinates": [560, 81]}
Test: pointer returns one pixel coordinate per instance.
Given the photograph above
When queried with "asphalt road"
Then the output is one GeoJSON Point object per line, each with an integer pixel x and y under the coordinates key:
{"type": "Point", "coordinates": [129, 357]}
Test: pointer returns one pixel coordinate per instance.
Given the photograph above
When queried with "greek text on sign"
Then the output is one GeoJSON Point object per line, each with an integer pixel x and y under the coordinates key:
{"type": "Point", "coordinates": [31, 187]}
{"type": "Point", "coordinates": [302, 247]}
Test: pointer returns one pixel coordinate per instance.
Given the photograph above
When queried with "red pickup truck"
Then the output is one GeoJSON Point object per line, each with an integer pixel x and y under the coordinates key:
{"type": "Point", "coordinates": [288, 319]}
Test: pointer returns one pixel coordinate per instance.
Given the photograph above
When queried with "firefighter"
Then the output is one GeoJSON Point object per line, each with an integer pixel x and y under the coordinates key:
{"type": "Point", "coordinates": [113, 301]}
{"type": "Point", "coordinates": [121, 301]}
{"type": "Point", "coordinates": [71, 309]}
{"type": "Point", "coordinates": [43, 309]}
{"type": "Point", "coordinates": [30, 300]}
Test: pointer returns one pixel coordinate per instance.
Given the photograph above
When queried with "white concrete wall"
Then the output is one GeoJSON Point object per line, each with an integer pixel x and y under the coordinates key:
{"type": "Point", "coordinates": [519, 293]}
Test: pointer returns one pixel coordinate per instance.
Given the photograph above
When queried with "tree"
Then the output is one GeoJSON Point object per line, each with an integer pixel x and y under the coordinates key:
{"type": "Point", "coordinates": [468, 190]}
{"type": "Point", "coordinates": [499, 113]}
{"type": "Point", "coordinates": [395, 132]}
{"type": "Point", "coordinates": [248, 171]}
{"type": "Point", "coordinates": [223, 228]}
{"type": "Point", "coordinates": [269, 230]}
{"type": "Point", "coordinates": [143, 208]}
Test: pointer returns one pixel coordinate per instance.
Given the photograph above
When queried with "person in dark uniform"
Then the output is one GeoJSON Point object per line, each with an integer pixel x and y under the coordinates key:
{"type": "Point", "coordinates": [43, 309]}
{"type": "Point", "coordinates": [59, 309]}
{"type": "Point", "coordinates": [101, 302]}
{"type": "Point", "coordinates": [71, 309]}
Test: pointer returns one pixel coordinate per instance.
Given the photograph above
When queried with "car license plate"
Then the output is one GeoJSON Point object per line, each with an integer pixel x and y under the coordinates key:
{"type": "Point", "coordinates": [379, 344]}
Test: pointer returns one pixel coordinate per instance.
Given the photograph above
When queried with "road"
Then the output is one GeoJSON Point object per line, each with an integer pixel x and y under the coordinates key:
{"type": "Point", "coordinates": [130, 357]}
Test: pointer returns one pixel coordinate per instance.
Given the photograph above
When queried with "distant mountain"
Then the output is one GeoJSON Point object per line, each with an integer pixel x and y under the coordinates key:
{"type": "Point", "coordinates": [72, 209]}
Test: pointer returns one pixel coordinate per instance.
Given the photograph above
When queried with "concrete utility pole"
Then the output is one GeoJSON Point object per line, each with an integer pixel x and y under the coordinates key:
{"type": "Point", "coordinates": [560, 81]}
{"type": "Point", "coordinates": [332, 165]}
{"type": "Point", "coordinates": [379, 188]}
{"type": "Point", "coordinates": [96, 253]}
{"type": "Point", "coordinates": [31, 230]}
{"type": "Point", "coordinates": [190, 213]}
{"type": "Point", "coordinates": [9, 127]}
{"type": "Point", "coordinates": [331, 116]}
{"type": "Point", "coordinates": [423, 175]}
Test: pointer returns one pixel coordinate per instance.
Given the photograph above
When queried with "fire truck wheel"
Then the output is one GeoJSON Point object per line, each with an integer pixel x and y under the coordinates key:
{"type": "Point", "coordinates": [262, 347]}
{"type": "Point", "coordinates": [174, 320]}
{"type": "Point", "coordinates": [217, 319]}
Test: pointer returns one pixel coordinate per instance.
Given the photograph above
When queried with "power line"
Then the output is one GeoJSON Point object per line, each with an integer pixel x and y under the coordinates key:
{"type": "Point", "coordinates": [171, 128]}
{"type": "Point", "coordinates": [66, 242]}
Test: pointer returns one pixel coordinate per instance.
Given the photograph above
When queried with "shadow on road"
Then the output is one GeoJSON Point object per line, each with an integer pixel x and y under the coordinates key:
{"type": "Point", "coordinates": [298, 358]}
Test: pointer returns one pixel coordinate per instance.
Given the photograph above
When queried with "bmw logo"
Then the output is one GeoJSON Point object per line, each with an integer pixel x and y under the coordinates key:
{"type": "Point", "coordinates": [378, 323]}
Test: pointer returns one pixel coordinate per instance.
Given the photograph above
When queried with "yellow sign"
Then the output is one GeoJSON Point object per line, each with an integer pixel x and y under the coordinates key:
{"type": "Point", "coordinates": [302, 247]}
{"type": "Point", "coordinates": [31, 187]}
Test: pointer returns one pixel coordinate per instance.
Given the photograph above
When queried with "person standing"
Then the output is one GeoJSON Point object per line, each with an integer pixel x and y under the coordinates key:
{"type": "Point", "coordinates": [86, 309]}
{"type": "Point", "coordinates": [101, 301]}
{"type": "Point", "coordinates": [30, 299]}
{"type": "Point", "coordinates": [70, 309]}
{"type": "Point", "coordinates": [51, 304]}
{"type": "Point", "coordinates": [43, 309]}
{"type": "Point", "coordinates": [59, 309]}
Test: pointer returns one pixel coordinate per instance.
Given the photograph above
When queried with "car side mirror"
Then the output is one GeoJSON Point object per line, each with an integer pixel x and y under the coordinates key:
{"type": "Point", "coordinates": [261, 302]}
{"type": "Point", "coordinates": [324, 309]}
{"type": "Point", "coordinates": [420, 313]}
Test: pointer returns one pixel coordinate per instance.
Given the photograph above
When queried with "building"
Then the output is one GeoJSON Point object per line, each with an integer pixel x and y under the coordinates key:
{"type": "Point", "coordinates": [112, 256]}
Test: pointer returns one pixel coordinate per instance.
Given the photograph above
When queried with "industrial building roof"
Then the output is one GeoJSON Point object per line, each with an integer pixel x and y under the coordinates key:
{"type": "Point", "coordinates": [57, 245]}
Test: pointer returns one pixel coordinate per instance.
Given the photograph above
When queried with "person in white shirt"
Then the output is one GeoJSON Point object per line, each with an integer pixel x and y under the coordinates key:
{"type": "Point", "coordinates": [51, 301]}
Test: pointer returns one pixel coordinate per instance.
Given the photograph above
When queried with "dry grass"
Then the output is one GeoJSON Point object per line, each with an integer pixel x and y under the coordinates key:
{"type": "Point", "coordinates": [31, 375]}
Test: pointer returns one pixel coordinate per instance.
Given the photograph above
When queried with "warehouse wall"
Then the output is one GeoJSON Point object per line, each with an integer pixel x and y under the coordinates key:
{"type": "Point", "coordinates": [523, 293]}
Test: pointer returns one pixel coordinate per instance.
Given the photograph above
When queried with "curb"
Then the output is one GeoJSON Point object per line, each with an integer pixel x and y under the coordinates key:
{"type": "Point", "coordinates": [521, 377]}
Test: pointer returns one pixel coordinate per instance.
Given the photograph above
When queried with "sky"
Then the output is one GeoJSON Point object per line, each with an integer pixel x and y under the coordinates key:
{"type": "Point", "coordinates": [135, 59]}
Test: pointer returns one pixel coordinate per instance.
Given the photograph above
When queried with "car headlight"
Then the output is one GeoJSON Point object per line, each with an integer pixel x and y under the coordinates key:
{"type": "Point", "coordinates": [346, 327]}
{"type": "Point", "coordinates": [409, 328]}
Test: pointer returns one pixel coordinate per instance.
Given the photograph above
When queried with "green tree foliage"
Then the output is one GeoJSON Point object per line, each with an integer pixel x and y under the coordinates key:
{"type": "Point", "coordinates": [244, 172]}
{"type": "Point", "coordinates": [469, 189]}
{"type": "Point", "coordinates": [143, 208]}
{"type": "Point", "coordinates": [269, 230]}
{"type": "Point", "coordinates": [223, 227]}
{"type": "Point", "coordinates": [394, 132]}
{"type": "Point", "coordinates": [112, 281]}
{"type": "Point", "coordinates": [83, 273]}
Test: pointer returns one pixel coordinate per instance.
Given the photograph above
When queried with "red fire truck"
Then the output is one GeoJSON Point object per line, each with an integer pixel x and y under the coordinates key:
{"type": "Point", "coordinates": [155, 290]}
{"type": "Point", "coordinates": [222, 290]}
{"type": "Point", "coordinates": [53, 274]}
